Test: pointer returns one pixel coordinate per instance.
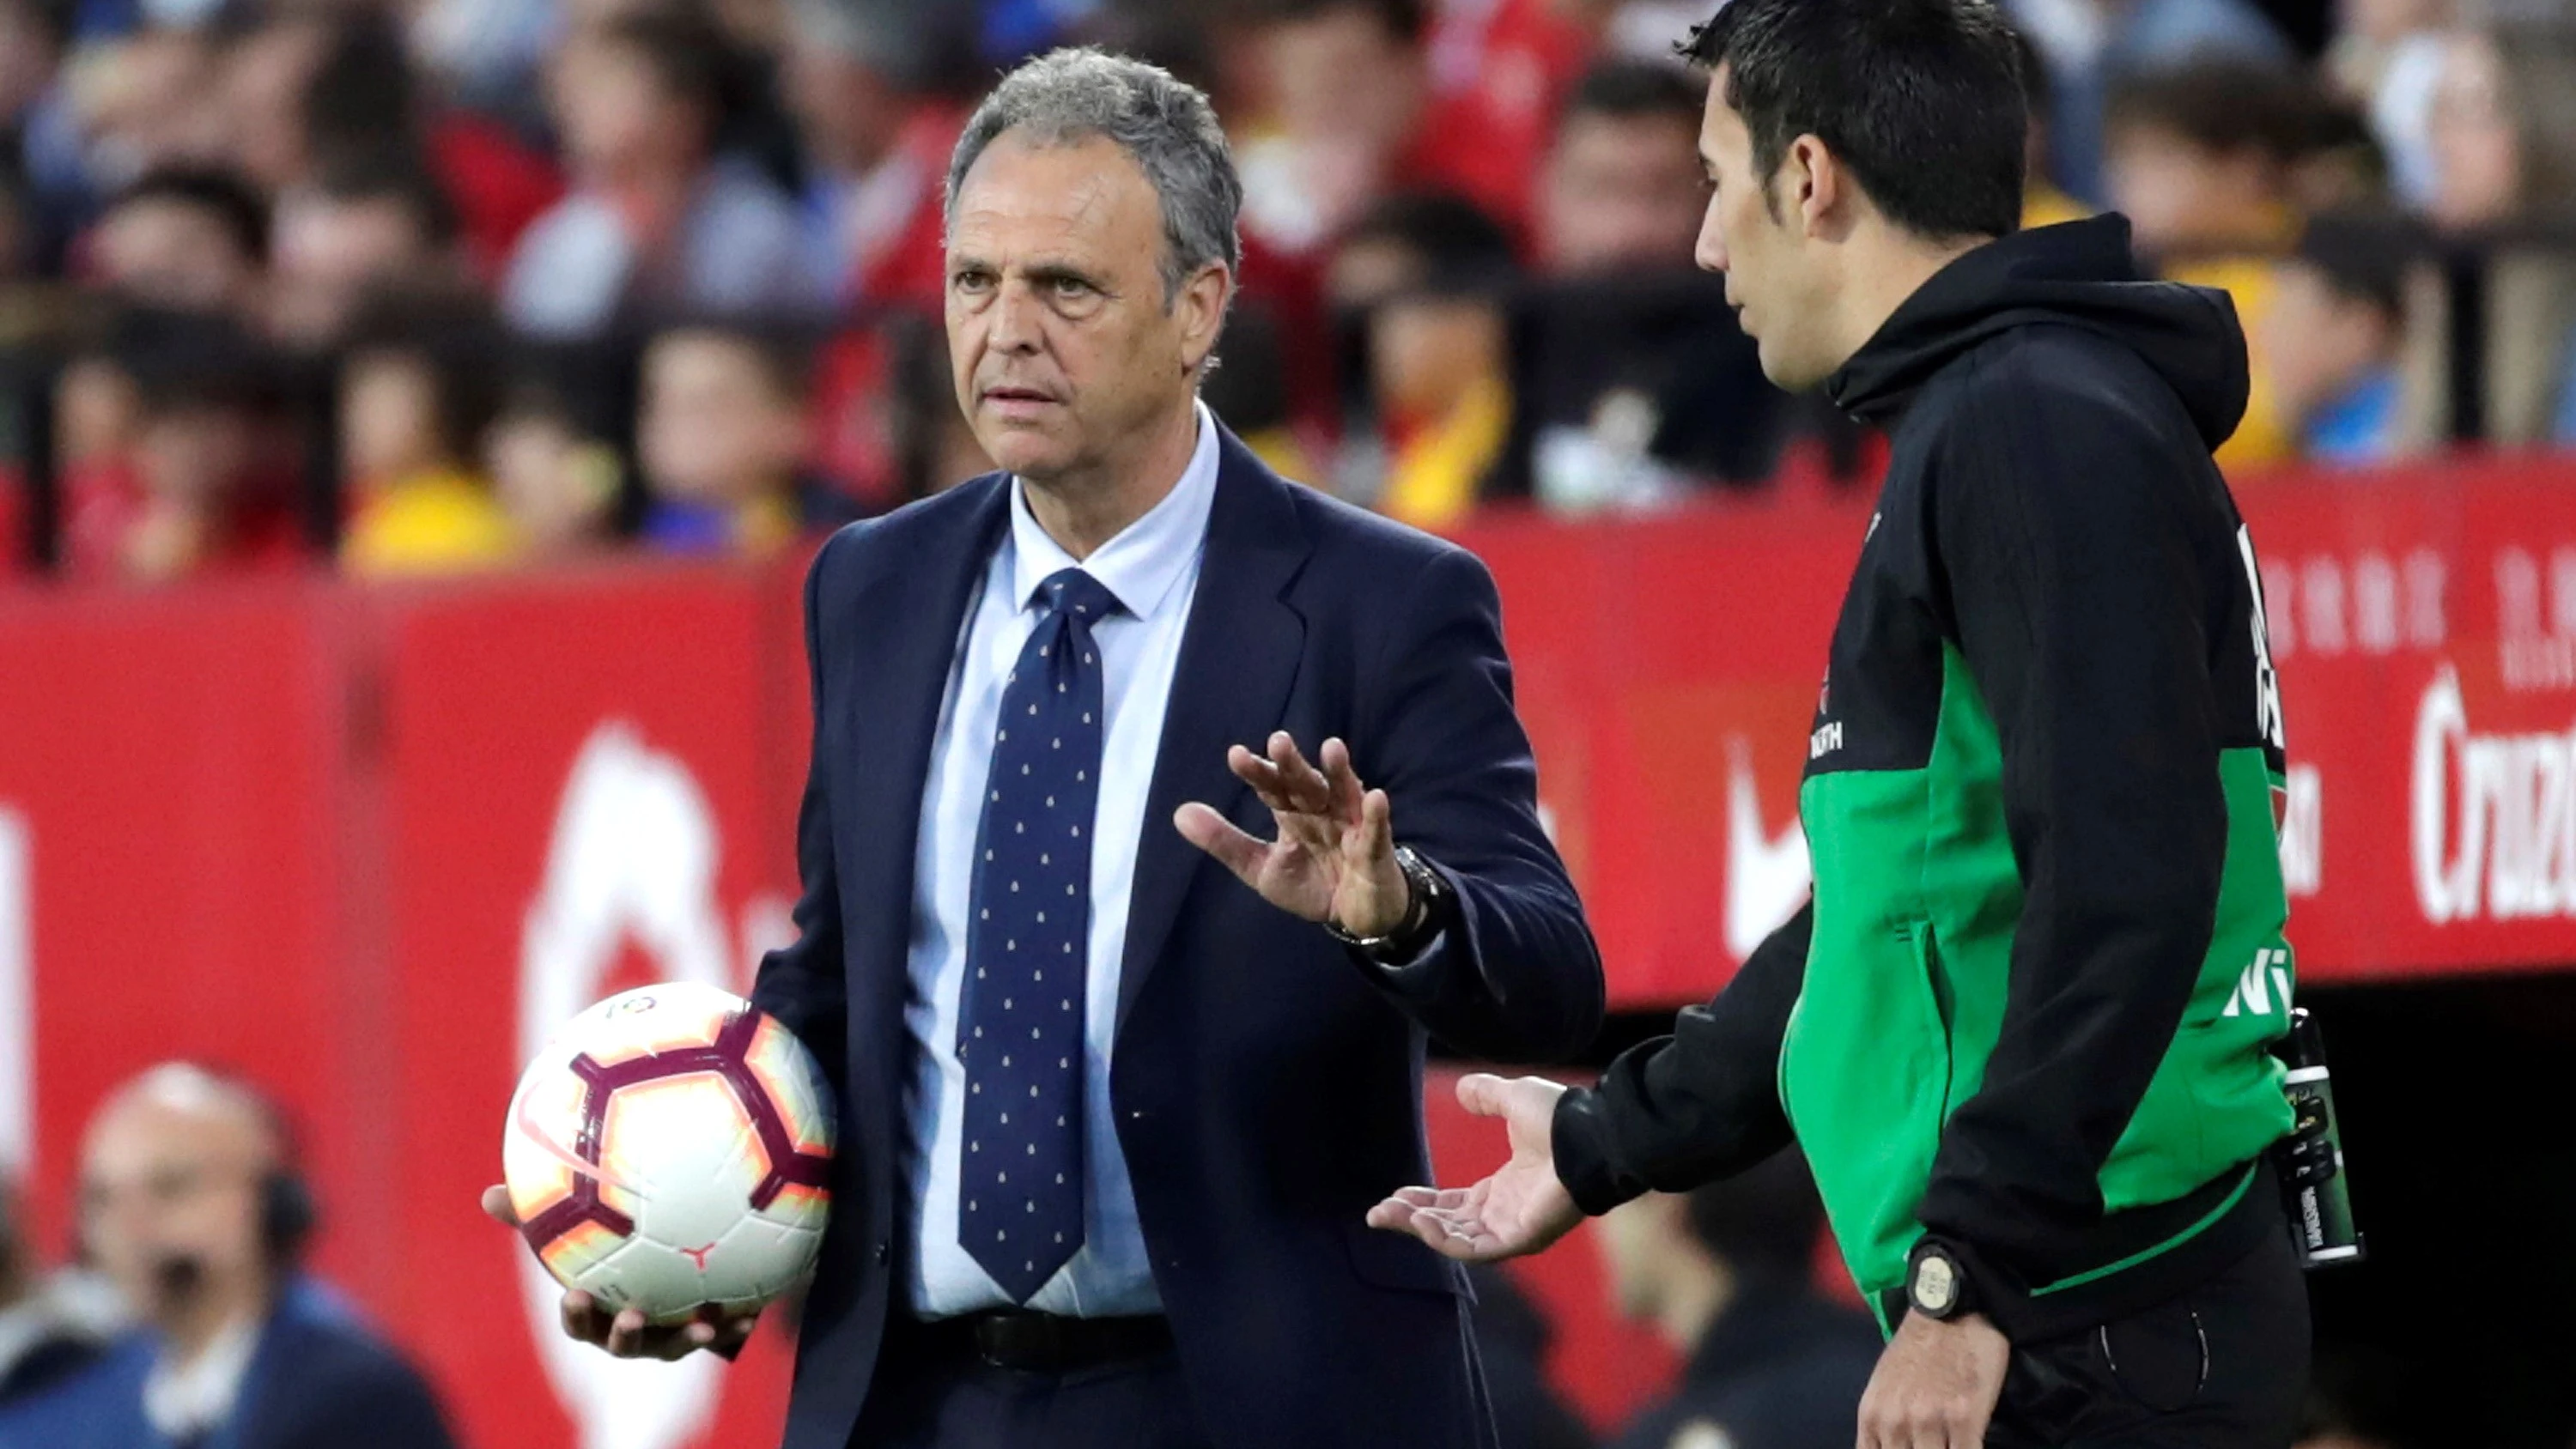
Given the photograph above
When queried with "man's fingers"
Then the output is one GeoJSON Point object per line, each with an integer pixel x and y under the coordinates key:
{"type": "Point", "coordinates": [626, 1333]}
{"type": "Point", "coordinates": [1304, 785]}
{"type": "Point", "coordinates": [582, 1318]}
{"type": "Point", "coordinates": [1377, 830]}
{"type": "Point", "coordinates": [496, 1205]}
{"type": "Point", "coordinates": [1341, 779]}
{"type": "Point", "coordinates": [1203, 827]}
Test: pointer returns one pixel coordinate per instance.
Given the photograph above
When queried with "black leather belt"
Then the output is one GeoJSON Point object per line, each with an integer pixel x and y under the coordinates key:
{"type": "Point", "coordinates": [1015, 1338]}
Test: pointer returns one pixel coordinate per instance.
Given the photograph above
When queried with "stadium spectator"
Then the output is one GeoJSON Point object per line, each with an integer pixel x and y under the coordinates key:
{"type": "Point", "coordinates": [49, 1328]}
{"type": "Point", "coordinates": [1370, 96]}
{"type": "Point", "coordinates": [2387, 56]}
{"type": "Point", "coordinates": [877, 142]}
{"type": "Point", "coordinates": [418, 389]}
{"type": "Point", "coordinates": [2503, 130]}
{"type": "Point", "coordinates": [190, 1202]}
{"type": "Point", "coordinates": [1725, 1274]}
{"type": "Point", "coordinates": [558, 485]}
{"type": "Point", "coordinates": [722, 433]}
{"type": "Point", "coordinates": [368, 224]}
{"type": "Point", "coordinates": [2201, 158]}
{"type": "Point", "coordinates": [2336, 333]}
{"type": "Point", "coordinates": [140, 101]}
{"type": "Point", "coordinates": [194, 239]}
{"type": "Point", "coordinates": [173, 456]}
{"type": "Point", "coordinates": [656, 217]}
{"type": "Point", "coordinates": [2092, 47]}
{"type": "Point", "coordinates": [1431, 276]}
{"type": "Point", "coordinates": [1622, 187]}
{"type": "Point", "coordinates": [313, 90]}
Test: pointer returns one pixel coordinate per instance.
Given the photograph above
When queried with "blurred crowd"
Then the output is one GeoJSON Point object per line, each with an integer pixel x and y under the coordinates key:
{"type": "Point", "coordinates": [438, 285]}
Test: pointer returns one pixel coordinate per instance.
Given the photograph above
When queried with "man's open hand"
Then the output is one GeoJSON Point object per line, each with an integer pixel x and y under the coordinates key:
{"type": "Point", "coordinates": [627, 1335]}
{"type": "Point", "coordinates": [1521, 1208]}
{"type": "Point", "coordinates": [1334, 858]}
{"type": "Point", "coordinates": [1935, 1386]}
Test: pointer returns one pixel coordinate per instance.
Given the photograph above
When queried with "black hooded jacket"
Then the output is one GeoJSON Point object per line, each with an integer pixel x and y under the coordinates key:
{"type": "Point", "coordinates": [2045, 957]}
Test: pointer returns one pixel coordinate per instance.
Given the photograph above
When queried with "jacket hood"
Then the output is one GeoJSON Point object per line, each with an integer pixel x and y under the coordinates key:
{"type": "Point", "coordinates": [2075, 274]}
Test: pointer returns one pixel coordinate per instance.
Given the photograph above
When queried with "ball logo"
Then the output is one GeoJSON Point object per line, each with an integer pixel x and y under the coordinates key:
{"type": "Point", "coordinates": [633, 858]}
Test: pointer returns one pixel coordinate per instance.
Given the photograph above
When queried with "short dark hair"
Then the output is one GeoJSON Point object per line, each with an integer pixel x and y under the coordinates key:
{"type": "Point", "coordinates": [457, 341]}
{"type": "Point", "coordinates": [1922, 99]}
{"type": "Point", "coordinates": [783, 358]}
{"type": "Point", "coordinates": [2366, 256]}
{"type": "Point", "coordinates": [1463, 251]}
{"type": "Point", "coordinates": [2224, 107]}
{"type": "Point", "coordinates": [1631, 89]}
{"type": "Point", "coordinates": [233, 202]}
{"type": "Point", "coordinates": [397, 176]}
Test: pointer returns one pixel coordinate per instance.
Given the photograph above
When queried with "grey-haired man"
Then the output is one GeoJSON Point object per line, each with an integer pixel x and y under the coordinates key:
{"type": "Point", "coordinates": [1126, 1019]}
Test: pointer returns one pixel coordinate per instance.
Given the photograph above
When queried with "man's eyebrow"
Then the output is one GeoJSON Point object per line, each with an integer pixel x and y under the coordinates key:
{"type": "Point", "coordinates": [1045, 274]}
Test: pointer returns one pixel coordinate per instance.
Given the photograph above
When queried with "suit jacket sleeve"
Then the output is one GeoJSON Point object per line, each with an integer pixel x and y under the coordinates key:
{"type": "Point", "coordinates": [803, 984]}
{"type": "Point", "coordinates": [1516, 975]}
{"type": "Point", "coordinates": [1695, 1106]}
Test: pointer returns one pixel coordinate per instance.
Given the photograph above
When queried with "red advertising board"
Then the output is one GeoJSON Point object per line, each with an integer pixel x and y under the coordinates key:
{"type": "Point", "coordinates": [370, 845]}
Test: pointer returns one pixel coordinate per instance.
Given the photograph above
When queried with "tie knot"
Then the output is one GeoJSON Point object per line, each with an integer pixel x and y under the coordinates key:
{"type": "Point", "coordinates": [1071, 591]}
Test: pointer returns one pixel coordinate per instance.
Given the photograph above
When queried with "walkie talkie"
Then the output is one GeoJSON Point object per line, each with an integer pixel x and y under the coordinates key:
{"type": "Point", "coordinates": [2315, 1191]}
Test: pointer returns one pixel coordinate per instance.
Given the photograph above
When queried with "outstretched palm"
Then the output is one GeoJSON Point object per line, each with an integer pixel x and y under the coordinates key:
{"type": "Point", "coordinates": [1521, 1209]}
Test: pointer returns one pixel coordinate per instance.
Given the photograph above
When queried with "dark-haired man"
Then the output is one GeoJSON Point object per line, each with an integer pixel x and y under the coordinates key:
{"type": "Point", "coordinates": [2021, 1030]}
{"type": "Point", "coordinates": [194, 239]}
{"type": "Point", "coordinates": [1620, 189]}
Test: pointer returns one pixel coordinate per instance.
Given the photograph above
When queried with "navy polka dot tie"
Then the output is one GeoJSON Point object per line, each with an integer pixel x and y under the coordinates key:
{"type": "Point", "coordinates": [1019, 1030]}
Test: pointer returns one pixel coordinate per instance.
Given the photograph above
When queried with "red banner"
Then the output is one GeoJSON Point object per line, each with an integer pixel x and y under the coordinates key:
{"type": "Point", "coordinates": [370, 845]}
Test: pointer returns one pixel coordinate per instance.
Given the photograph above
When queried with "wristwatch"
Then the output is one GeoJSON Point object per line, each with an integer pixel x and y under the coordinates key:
{"type": "Point", "coordinates": [1426, 913]}
{"type": "Point", "coordinates": [1936, 1282]}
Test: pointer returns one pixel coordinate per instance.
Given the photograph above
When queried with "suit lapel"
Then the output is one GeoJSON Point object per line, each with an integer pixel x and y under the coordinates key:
{"type": "Point", "coordinates": [1239, 657]}
{"type": "Point", "coordinates": [902, 629]}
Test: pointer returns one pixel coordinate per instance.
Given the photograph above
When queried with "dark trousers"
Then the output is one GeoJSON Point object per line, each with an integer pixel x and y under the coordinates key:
{"type": "Point", "coordinates": [937, 1397]}
{"type": "Point", "coordinates": [2223, 1366]}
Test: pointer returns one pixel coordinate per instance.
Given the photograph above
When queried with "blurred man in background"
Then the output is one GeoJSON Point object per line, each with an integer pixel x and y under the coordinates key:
{"type": "Point", "coordinates": [722, 438]}
{"type": "Point", "coordinates": [1621, 187]}
{"type": "Point", "coordinates": [191, 238]}
{"type": "Point", "coordinates": [1726, 1274]}
{"type": "Point", "coordinates": [2335, 334]}
{"type": "Point", "coordinates": [367, 225]}
{"type": "Point", "coordinates": [190, 1204]}
{"type": "Point", "coordinates": [49, 1330]}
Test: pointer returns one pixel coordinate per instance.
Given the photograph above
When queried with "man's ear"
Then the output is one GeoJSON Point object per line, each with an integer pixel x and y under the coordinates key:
{"type": "Point", "coordinates": [1813, 184]}
{"type": "Point", "coordinates": [1201, 305]}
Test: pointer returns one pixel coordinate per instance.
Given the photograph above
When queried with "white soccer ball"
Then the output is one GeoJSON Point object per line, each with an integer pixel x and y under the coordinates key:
{"type": "Point", "coordinates": [671, 1148]}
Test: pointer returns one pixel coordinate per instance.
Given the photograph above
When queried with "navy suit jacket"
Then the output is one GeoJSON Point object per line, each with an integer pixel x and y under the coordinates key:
{"type": "Point", "coordinates": [1267, 1083]}
{"type": "Point", "coordinates": [319, 1379]}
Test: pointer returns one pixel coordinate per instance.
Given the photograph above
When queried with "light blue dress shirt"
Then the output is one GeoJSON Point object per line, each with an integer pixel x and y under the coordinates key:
{"type": "Point", "coordinates": [1153, 568]}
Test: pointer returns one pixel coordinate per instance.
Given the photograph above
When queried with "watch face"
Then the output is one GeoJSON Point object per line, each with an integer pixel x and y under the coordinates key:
{"type": "Point", "coordinates": [1936, 1284]}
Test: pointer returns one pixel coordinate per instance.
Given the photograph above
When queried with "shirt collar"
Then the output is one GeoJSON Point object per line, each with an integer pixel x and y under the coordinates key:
{"type": "Point", "coordinates": [1147, 558]}
{"type": "Point", "coordinates": [185, 1401]}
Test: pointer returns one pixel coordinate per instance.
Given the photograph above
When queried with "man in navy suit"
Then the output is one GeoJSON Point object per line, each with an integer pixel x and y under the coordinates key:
{"type": "Point", "coordinates": [1112, 1121]}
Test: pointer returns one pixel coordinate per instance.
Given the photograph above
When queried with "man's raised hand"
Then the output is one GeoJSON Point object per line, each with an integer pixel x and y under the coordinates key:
{"type": "Point", "coordinates": [1334, 857]}
{"type": "Point", "coordinates": [1521, 1209]}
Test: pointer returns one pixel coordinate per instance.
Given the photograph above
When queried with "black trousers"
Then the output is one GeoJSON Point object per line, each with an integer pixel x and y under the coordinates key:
{"type": "Point", "coordinates": [926, 1397]}
{"type": "Point", "coordinates": [2223, 1366]}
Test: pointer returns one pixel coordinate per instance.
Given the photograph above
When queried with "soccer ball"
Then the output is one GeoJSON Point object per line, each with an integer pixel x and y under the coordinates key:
{"type": "Point", "coordinates": [672, 1148]}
